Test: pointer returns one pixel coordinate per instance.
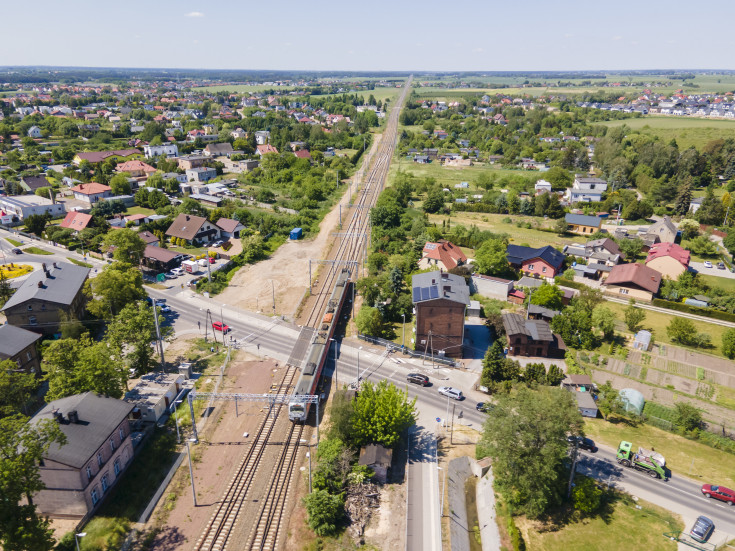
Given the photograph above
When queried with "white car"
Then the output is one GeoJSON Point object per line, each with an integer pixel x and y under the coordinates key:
{"type": "Point", "coordinates": [177, 271]}
{"type": "Point", "coordinates": [450, 392]}
{"type": "Point", "coordinates": [707, 264]}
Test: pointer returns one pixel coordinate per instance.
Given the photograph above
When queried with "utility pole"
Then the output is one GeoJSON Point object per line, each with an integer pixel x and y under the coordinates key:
{"type": "Point", "coordinates": [451, 432]}
{"type": "Point", "coordinates": [158, 336]}
{"type": "Point", "coordinates": [209, 270]}
{"type": "Point", "coordinates": [273, 288]}
{"type": "Point", "coordinates": [191, 473]}
{"type": "Point", "coordinates": [574, 468]}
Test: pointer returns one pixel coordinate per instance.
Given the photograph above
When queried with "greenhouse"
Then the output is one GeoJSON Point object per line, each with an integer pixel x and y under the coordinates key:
{"type": "Point", "coordinates": [633, 400]}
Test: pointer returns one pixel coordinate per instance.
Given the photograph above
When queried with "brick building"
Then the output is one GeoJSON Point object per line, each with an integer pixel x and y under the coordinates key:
{"type": "Point", "coordinates": [544, 262]}
{"type": "Point", "coordinates": [440, 301]}
{"type": "Point", "coordinates": [527, 337]}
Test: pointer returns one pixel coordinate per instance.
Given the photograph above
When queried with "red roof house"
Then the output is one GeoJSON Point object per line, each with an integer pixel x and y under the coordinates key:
{"type": "Point", "coordinates": [443, 255]}
{"type": "Point", "coordinates": [633, 281]}
{"type": "Point", "coordinates": [669, 259]}
{"type": "Point", "coordinates": [76, 221]}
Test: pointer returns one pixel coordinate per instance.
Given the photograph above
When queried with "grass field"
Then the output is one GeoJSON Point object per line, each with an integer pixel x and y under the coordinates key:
{"type": "Point", "coordinates": [139, 210]}
{"type": "Point", "coordinates": [453, 175]}
{"type": "Point", "coordinates": [626, 521]}
{"type": "Point", "coordinates": [658, 321]}
{"type": "Point", "coordinates": [684, 457]}
{"type": "Point", "coordinates": [687, 131]}
{"type": "Point", "coordinates": [720, 282]}
{"type": "Point", "coordinates": [381, 94]}
{"type": "Point", "coordinates": [36, 250]}
{"type": "Point", "coordinates": [240, 88]}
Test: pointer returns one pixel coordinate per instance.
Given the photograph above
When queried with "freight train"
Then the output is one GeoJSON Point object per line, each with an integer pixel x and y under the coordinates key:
{"type": "Point", "coordinates": [316, 355]}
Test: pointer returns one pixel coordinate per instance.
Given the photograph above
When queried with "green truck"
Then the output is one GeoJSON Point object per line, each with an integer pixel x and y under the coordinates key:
{"type": "Point", "coordinates": [644, 460]}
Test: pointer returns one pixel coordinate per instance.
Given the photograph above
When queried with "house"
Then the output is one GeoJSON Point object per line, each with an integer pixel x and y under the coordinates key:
{"type": "Point", "coordinates": [135, 168]}
{"type": "Point", "coordinates": [200, 174]}
{"type": "Point", "coordinates": [632, 281]}
{"type": "Point", "coordinates": [542, 186]}
{"type": "Point", "coordinates": [19, 207]}
{"type": "Point", "coordinates": [265, 149]}
{"type": "Point", "coordinates": [443, 255]}
{"type": "Point", "coordinates": [38, 303]}
{"type": "Point", "coordinates": [544, 262]}
{"type": "Point", "coordinates": [598, 251]}
{"type": "Point", "coordinates": [95, 157]}
{"type": "Point", "coordinates": [153, 395]}
{"type": "Point", "coordinates": [695, 205]}
{"type": "Point", "coordinates": [527, 337]}
{"type": "Point", "coordinates": [378, 458]}
{"type": "Point", "coordinates": [237, 167]}
{"type": "Point", "coordinates": [440, 300]}
{"type": "Point", "coordinates": [76, 221]}
{"type": "Point", "coordinates": [491, 287]}
{"type": "Point", "coordinates": [669, 259]}
{"type": "Point", "coordinates": [19, 345]}
{"type": "Point", "coordinates": [92, 192]}
{"type": "Point", "coordinates": [262, 137]}
{"type": "Point", "coordinates": [159, 260]}
{"type": "Point", "coordinates": [180, 178]}
{"type": "Point", "coordinates": [148, 238]}
{"type": "Point", "coordinates": [302, 154]}
{"type": "Point", "coordinates": [664, 230]}
{"type": "Point", "coordinates": [219, 149]}
{"type": "Point", "coordinates": [193, 229]}
{"type": "Point", "coordinates": [153, 151]}
{"type": "Point", "coordinates": [586, 190]}
{"type": "Point", "coordinates": [78, 475]}
{"type": "Point", "coordinates": [536, 312]}
{"type": "Point", "coordinates": [229, 228]}
{"type": "Point", "coordinates": [190, 161]}
{"type": "Point", "coordinates": [33, 183]}
{"type": "Point", "coordinates": [586, 404]}
{"type": "Point", "coordinates": [582, 224]}
{"type": "Point", "coordinates": [34, 132]}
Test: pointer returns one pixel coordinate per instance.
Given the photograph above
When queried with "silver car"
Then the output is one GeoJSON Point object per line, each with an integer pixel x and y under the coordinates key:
{"type": "Point", "coordinates": [450, 392]}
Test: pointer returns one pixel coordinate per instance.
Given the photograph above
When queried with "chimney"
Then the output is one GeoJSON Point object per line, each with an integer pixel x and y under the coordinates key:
{"type": "Point", "coordinates": [73, 416]}
{"type": "Point", "coordinates": [187, 217]}
{"type": "Point", "coordinates": [58, 416]}
{"type": "Point", "coordinates": [54, 263]}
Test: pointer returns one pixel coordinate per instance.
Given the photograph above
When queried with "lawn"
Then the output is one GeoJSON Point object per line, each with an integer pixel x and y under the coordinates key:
{"type": "Point", "coordinates": [658, 321]}
{"type": "Point", "coordinates": [36, 250]}
{"type": "Point", "coordinates": [13, 242]}
{"type": "Point", "coordinates": [685, 458]}
{"type": "Point", "coordinates": [80, 263]}
{"type": "Point", "coordinates": [139, 210]}
{"type": "Point", "coordinates": [719, 282]}
{"type": "Point", "coordinates": [687, 131]}
{"type": "Point", "coordinates": [626, 522]}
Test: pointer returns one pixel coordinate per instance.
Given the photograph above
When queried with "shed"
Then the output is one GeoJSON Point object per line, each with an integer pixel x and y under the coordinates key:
{"type": "Point", "coordinates": [296, 233]}
{"type": "Point", "coordinates": [378, 458]}
{"type": "Point", "coordinates": [474, 309]}
{"type": "Point", "coordinates": [586, 404]}
{"type": "Point", "coordinates": [633, 400]}
{"type": "Point", "coordinates": [642, 340]}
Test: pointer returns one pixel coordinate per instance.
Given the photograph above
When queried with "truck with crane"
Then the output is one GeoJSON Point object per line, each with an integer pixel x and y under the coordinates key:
{"type": "Point", "coordinates": [645, 460]}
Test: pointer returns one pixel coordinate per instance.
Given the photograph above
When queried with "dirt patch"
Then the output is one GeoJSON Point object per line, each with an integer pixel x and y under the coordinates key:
{"type": "Point", "coordinates": [286, 273]}
{"type": "Point", "coordinates": [176, 520]}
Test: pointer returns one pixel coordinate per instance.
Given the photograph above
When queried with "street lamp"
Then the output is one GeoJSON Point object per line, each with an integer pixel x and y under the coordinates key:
{"type": "Point", "coordinates": [444, 485]}
{"type": "Point", "coordinates": [403, 344]}
{"type": "Point", "coordinates": [77, 536]}
{"type": "Point", "coordinates": [191, 470]}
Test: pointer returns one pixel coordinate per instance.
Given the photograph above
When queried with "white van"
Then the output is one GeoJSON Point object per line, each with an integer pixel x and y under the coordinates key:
{"type": "Point", "coordinates": [450, 392]}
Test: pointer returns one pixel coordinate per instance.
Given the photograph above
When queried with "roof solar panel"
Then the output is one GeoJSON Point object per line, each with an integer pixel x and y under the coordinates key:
{"type": "Point", "coordinates": [417, 294]}
{"type": "Point", "coordinates": [433, 292]}
{"type": "Point", "coordinates": [424, 293]}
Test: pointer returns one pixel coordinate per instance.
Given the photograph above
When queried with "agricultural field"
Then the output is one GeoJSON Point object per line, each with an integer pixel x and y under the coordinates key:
{"type": "Point", "coordinates": [240, 88]}
{"type": "Point", "coordinates": [687, 131]}
{"type": "Point", "coordinates": [380, 94]}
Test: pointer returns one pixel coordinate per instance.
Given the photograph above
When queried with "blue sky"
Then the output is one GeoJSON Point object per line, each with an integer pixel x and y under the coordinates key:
{"type": "Point", "coordinates": [370, 35]}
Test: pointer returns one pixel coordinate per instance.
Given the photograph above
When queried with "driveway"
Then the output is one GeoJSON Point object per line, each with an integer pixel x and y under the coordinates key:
{"type": "Point", "coordinates": [713, 271]}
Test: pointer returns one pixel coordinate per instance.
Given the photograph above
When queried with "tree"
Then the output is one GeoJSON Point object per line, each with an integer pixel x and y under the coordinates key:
{"type": "Point", "coordinates": [491, 257]}
{"type": "Point", "coordinates": [711, 211]}
{"type": "Point", "coordinates": [728, 343]}
{"type": "Point", "coordinates": [689, 228]}
{"type": "Point", "coordinates": [631, 248]}
{"type": "Point", "coordinates": [126, 245]}
{"type": "Point", "coordinates": [130, 336]}
{"type": "Point", "coordinates": [77, 366]}
{"type": "Point", "coordinates": [16, 388]}
{"type": "Point", "coordinates": [434, 201]}
{"type": "Point", "coordinates": [22, 446]}
{"type": "Point", "coordinates": [634, 317]}
{"type": "Point", "coordinates": [120, 185]}
{"type": "Point", "coordinates": [340, 416]}
{"type": "Point", "coordinates": [604, 320]}
{"type": "Point", "coordinates": [535, 372]}
{"type": "Point", "coordinates": [561, 226]}
{"type": "Point", "coordinates": [369, 321]}
{"type": "Point", "coordinates": [36, 223]}
{"type": "Point", "coordinates": [687, 417]}
{"type": "Point", "coordinates": [682, 331]}
{"type": "Point", "coordinates": [702, 246]}
{"type": "Point", "coordinates": [382, 414]}
{"type": "Point", "coordinates": [683, 199]}
{"type": "Point", "coordinates": [609, 400]}
{"type": "Point", "coordinates": [496, 368]}
{"type": "Point", "coordinates": [586, 495]}
{"type": "Point", "coordinates": [118, 284]}
{"type": "Point", "coordinates": [6, 291]}
{"type": "Point", "coordinates": [548, 296]}
{"type": "Point", "coordinates": [325, 512]}
{"type": "Point", "coordinates": [555, 375]}
{"type": "Point", "coordinates": [527, 439]}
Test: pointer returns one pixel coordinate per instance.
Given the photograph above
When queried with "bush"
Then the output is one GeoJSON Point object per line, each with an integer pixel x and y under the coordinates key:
{"type": "Point", "coordinates": [325, 512]}
{"type": "Point", "coordinates": [586, 496]}
{"type": "Point", "coordinates": [681, 307]}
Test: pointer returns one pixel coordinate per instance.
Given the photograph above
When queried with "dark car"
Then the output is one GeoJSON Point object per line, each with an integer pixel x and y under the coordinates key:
{"type": "Point", "coordinates": [719, 492]}
{"type": "Point", "coordinates": [418, 379]}
{"type": "Point", "coordinates": [720, 265]}
{"type": "Point", "coordinates": [16, 250]}
{"type": "Point", "coordinates": [702, 529]}
{"type": "Point", "coordinates": [583, 443]}
{"type": "Point", "coordinates": [484, 407]}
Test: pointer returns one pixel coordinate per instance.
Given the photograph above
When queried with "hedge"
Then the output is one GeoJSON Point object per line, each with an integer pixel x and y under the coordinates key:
{"type": "Point", "coordinates": [706, 312]}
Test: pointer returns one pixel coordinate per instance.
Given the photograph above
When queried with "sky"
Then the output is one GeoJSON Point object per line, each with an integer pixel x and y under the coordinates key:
{"type": "Point", "coordinates": [375, 35]}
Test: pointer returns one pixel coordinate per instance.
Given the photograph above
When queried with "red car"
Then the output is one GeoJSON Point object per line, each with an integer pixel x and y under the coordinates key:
{"type": "Point", "coordinates": [719, 492]}
{"type": "Point", "coordinates": [219, 326]}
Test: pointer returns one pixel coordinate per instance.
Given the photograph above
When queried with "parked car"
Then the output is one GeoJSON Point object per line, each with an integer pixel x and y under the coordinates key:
{"type": "Point", "coordinates": [212, 260]}
{"type": "Point", "coordinates": [16, 250]}
{"type": "Point", "coordinates": [418, 379]}
{"type": "Point", "coordinates": [484, 407]}
{"type": "Point", "coordinates": [719, 492]}
{"type": "Point", "coordinates": [217, 244]}
{"type": "Point", "coordinates": [170, 275]}
{"type": "Point", "coordinates": [165, 308]}
{"type": "Point", "coordinates": [219, 326]}
{"type": "Point", "coordinates": [702, 529]}
{"type": "Point", "coordinates": [193, 282]}
{"type": "Point", "coordinates": [720, 265]}
{"type": "Point", "coordinates": [707, 264]}
{"type": "Point", "coordinates": [450, 392]}
{"type": "Point", "coordinates": [583, 443]}
{"type": "Point", "coordinates": [178, 271]}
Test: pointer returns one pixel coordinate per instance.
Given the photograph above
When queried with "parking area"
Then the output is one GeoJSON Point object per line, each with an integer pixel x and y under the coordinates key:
{"type": "Point", "coordinates": [712, 270]}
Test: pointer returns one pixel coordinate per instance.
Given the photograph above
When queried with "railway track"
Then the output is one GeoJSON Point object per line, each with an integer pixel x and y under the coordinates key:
{"type": "Point", "coordinates": [219, 527]}
{"type": "Point", "coordinates": [265, 531]}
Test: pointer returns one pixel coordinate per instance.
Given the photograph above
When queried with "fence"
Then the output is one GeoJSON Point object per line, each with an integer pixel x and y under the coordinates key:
{"type": "Point", "coordinates": [413, 353]}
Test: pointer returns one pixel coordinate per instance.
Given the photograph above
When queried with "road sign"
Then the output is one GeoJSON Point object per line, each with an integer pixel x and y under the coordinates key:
{"type": "Point", "coordinates": [161, 278]}
{"type": "Point", "coordinates": [438, 419]}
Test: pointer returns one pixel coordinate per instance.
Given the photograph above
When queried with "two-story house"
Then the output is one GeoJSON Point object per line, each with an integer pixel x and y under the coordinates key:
{"type": "Point", "coordinates": [200, 174]}
{"type": "Point", "coordinates": [440, 301]}
{"type": "Point", "coordinates": [81, 473]}
{"type": "Point", "coordinates": [194, 229]}
{"type": "Point", "coordinates": [669, 259]}
{"type": "Point", "coordinates": [443, 255]}
{"type": "Point", "coordinates": [586, 190]}
{"type": "Point", "coordinates": [41, 299]}
{"type": "Point", "coordinates": [633, 281]}
{"type": "Point", "coordinates": [545, 262]}
{"type": "Point", "coordinates": [531, 337]}
{"type": "Point", "coordinates": [19, 345]}
{"type": "Point", "coordinates": [92, 192]}
{"type": "Point", "coordinates": [152, 151]}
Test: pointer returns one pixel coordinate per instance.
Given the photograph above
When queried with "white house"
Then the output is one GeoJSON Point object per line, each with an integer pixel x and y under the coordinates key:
{"type": "Point", "coordinates": [151, 151]}
{"type": "Point", "coordinates": [91, 192]}
{"type": "Point", "coordinates": [200, 174]}
{"type": "Point", "coordinates": [262, 137]}
{"type": "Point", "coordinates": [21, 206]}
{"type": "Point", "coordinates": [542, 186]}
{"type": "Point", "coordinates": [586, 190]}
{"type": "Point", "coordinates": [34, 132]}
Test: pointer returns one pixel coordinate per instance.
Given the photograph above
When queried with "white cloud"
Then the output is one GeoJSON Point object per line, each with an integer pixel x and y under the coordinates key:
{"type": "Point", "coordinates": [194, 14]}
{"type": "Point", "coordinates": [478, 50]}
{"type": "Point", "coordinates": [617, 38]}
